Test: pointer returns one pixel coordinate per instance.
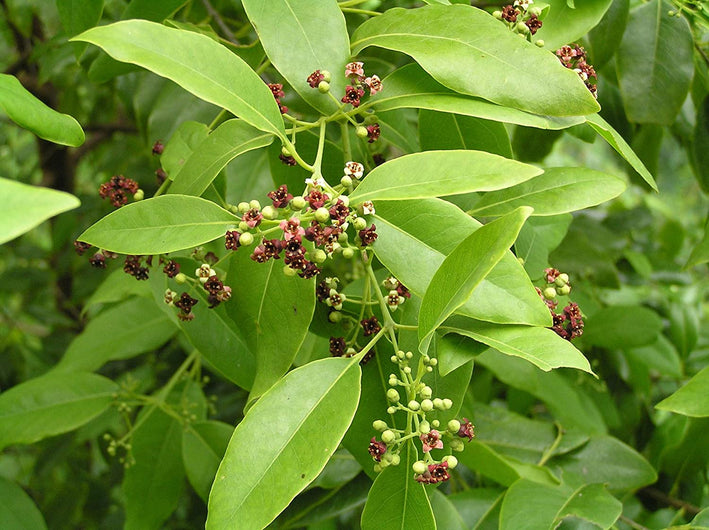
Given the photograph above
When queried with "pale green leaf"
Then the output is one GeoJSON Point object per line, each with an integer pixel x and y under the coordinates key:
{"type": "Point", "coordinates": [564, 24]}
{"type": "Point", "coordinates": [692, 399]}
{"type": "Point", "coordinates": [17, 509]}
{"type": "Point", "coordinates": [203, 446]}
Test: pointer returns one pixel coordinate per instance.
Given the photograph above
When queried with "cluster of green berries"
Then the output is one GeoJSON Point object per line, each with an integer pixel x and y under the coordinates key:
{"type": "Point", "coordinates": [522, 19]}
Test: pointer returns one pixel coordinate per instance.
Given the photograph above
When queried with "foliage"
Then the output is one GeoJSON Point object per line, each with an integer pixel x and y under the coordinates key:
{"type": "Point", "coordinates": [367, 264]}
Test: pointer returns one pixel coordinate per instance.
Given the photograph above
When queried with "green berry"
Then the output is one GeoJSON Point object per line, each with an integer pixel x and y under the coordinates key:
{"type": "Point", "coordinates": [255, 205]}
{"type": "Point", "coordinates": [334, 317]}
{"type": "Point", "coordinates": [298, 203]}
{"type": "Point", "coordinates": [181, 278]}
{"type": "Point", "coordinates": [269, 212]}
{"type": "Point", "coordinates": [549, 293]}
{"type": "Point", "coordinates": [243, 227]}
{"type": "Point", "coordinates": [454, 426]}
{"type": "Point", "coordinates": [326, 75]}
{"type": "Point", "coordinates": [377, 468]}
{"type": "Point", "coordinates": [346, 181]}
{"type": "Point", "coordinates": [319, 256]}
{"type": "Point", "coordinates": [497, 14]}
{"type": "Point", "coordinates": [361, 132]}
{"type": "Point", "coordinates": [244, 207]}
{"type": "Point", "coordinates": [371, 119]}
{"type": "Point", "coordinates": [379, 425]}
{"type": "Point", "coordinates": [452, 461]}
{"type": "Point", "coordinates": [566, 289]}
{"type": "Point", "coordinates": [540, 43]}
{"type": "Point", "coordinates": [322, 215]}
{"type": "Point", "coordinates": [419, 467]}
{"type": "Point", "coordinates": [246, 239]}
{"type": "Point", "coordinates": [288, 271]}
{"type": "Point", "coordinates": [427, 405]}
{"type": "Point", "coordinates": [324, 87]}
{"type": "Point", "coordinates": [360, 223]}
{"type": "Point", "coordinates": [388, 436]}
{"type": "Point", "coordinates": [393, 395]}
{"type": "Point", "coordinates": [521, 28]}
{"type": "Point", "coordinates": [436, 424]}
{"type": "Point", "coordinates": [139, 195]}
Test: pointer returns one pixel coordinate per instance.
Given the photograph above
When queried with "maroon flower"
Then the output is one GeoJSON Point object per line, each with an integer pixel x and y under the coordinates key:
{"type": "Point", "coordinates": [231, 240]}
{"type": "Point", "coordinates": [98, 261]}
{"type": "Point", "coordinates": [353, 95]}
{"type": "Point", "coordinates": [377, 449]}
{"type": "Point", "coordinates": [80, 247]}
{"type": "Point", "coordinates": [185, 303]}
{"type": "Point", "coordinates": [315, 78]}
{"type": "Point", "coordinates": [214, 285]}
{"type": "Point", "coordinates": [368, 235]}
{"type": "Point", "coordinates": [171, 268]}
{"type": "Point", "coordinates": [316, 199]}
{"type": "Point", "coordinates": [551, 275]}
{"type": "Point", "coordinates": [534, 24]}
{"type": "Point", "coordinates": [434, 474]}
{"type": "Point", "coordinates": [431, 440]}
{"type": "Point", "coordinates": [509, 13]}
{"type": "Point", "coordinates": [370, 326]}
{"type": "Point", "coordinates": [277, 91]}
{"type": "Point", "coordinates": [322, 291]}
{"type": "Point", "coordinates": [158, 148]}
{"type": "Point", "coordinates": [403, 291]}
{"type": "Point", "coordinates": [339, 212]}
{"type": "Point", "coordinates": [280, 197]}
{"type": "Point", "coordinates": [338, 346]}
{"type": "Point", "coordinates": [373, 132]}
{"type": "Point", "coordinates": [310, 270]}
{"type": "Point", "coordinates": [466, 429]}
{"type": "Point", "coordinates": [315, 233]}
{"type": "Point", "coordinates": [292, 229]}
{"type": "Point", "coordinates": [161, 175]}
{"type": "Point", "coordinates": [252, 218]}
{"type": "Point", "coordinates": [287, 160]}
{"type": "Point", "coordinates": [378, 159]}
{"type": "Point", "coordinates": [117, 190]}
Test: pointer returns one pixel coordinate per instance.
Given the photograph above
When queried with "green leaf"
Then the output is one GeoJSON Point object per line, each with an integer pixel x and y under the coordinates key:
{"type": "Point", "coordinates": [565, 24]}
{"type": "Point", "coordinates": [605, 38]}
{"type": "Point", "coordinates": [467, 50]}
{"type": "Point", "coordinates": [453, 351]}
{"type": "Point", "coordinates": [691, 399]}
{"type": "Point", "coordinates": [700, 145]}
{"type": "Point", "coordinates": [438, 173]}
{"type": "Point", "coordinates": [440, 130]}
{"type": "Point", "coordinates": [77, 16]}
{"type": "Point", "coordinates": [263, 317]}
{"type": "Point", "coordinates": [622, 327]}
{"type": "Point", "coordinates": [341, 468]}
{"type": "Point", "coordinates": [540, 346]}
{"type": "Point", "coordinates": [115, 287]}
{"type": "Point", "coordinates": [424, 232]}
{"type": "Point", "coordinates": [231, 139]}
{"type": "Point", "coordinates": [153, 484]}
{"type": "Point", "coordinates": [22, 207]}
{"type": "Point", "coordinates": [558, 190]}
{"type": "Point", "coordinates": [136, 326]}
{"type": "Point", "coordinates": [183, 142]}
{"type": "Point", "coordinates": [538, 237]}
{"type": "Point", "coordinates": [605, 459]}
{"type": "Point", "coordinates": [17, 509]}
{"type": "Point", "coordinates": [160, 225]}
{"type": "Point", "coordinates": [411, 87]}
{"type": "Point", "coordinates": [30, 113]}
{"type": "Point", "coordinates": [287, 437]}
{"type": "Point", "coordinates": [464, 268]}
{"type": "Point", "coordinates": [301, 36]}
{"type": "Point", "coordinates": [396, 500]}
{"type": "Point", "coordinates": [224, 80]}
{"type": "Point", "coordinates": [617, 142]}
{"type": "Point", "coordinates": [552, 504]}
{"type": "Point", "coordinates": [654, 64]}
{"type": "Point", "coordinates": [203, 446]}
{"type": "Point", "coordinates": [700, 253]}
{"type": "Point", "coordinates": [446, 515]}
{"type": "Point", "coordinates": [52, 404]}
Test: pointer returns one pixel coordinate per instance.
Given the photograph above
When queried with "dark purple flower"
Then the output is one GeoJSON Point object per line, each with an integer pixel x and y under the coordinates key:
{"type": "Point", "coordinates": [171, 268]}
{"type": "Point", "coordinates": [368, 235]}
{"type": "Point", "coordinates": [280, 196]}
{"type": "Point", "coordinates": [231, 240]}
{"type": "Point", "coordinates": [370, 326]}
{"type": "Point", "coordinates": [338, 346]}
{"type": "Point", "coordinates": [466, 429]}
{"type": "Point", "coordinates": [377, 449]}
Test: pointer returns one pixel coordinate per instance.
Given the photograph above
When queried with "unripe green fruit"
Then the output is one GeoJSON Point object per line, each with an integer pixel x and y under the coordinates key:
{"type": "Point", "coordinates": [393, 395]}
{"type": "Point", "coordinates": [346, 181]}
{"type": "Point", "coordinates": [379, 425]}
{"type": "Point", "coordinates": [447, 403]}
{"type": "Point", "coordinates": [549, 293]}
{"type": "Point", "coordinates": [566, 289]}
{"type": "Point", "coordinates": [319, 256]}
{"type": "Point", "coordinates": [244, 227]}
{"type": "Point", "coordinates": [426, 392]}
{"type": "Point", "coordinates": [269, 212]}
{"type": "Point", "coordinates": [139, 195]}
{"type": "Point", "coordinates": [244, 207]}
{"type": "Point", "coordinates": [326, 76]}
{"type": "Point", "coordinates": [298, 203]}
{"type": "Point", "coordinates": [388, 436]}
{"type": "Point", "coordinates": [395, 460]}
{"type": "Point", "coordinates": [246, 239]}
{"type": "Point", "coordinates": [255, 204]}
{"type": "Point", "coordinates": [427, 405]}
{"type": "Point", "coordinates": [419, 467]}
{"type": "Point", "coordinates": [452, 461]}
{"type": "Point", "coordinates": [454, 426]}
{"type": "Point", "coordinates": [360, 223]}
{"type": "Point", "coordinates": [324, 87]}
{"type": "Point", "coordinates": [348, 253]}
{"type": "Point", "coordinates": [361, 132]}
{"type": "Point", "coordinates": [288, 271]}
{"type": "Point", "coordinates": [322, 215]}
{"type": "Point", "coordinates": [562, 279]}
{"type": "Point", "coordinates": [540, 43]}
{"type": "Point", "coordinates": [414, 405]}
{"type": "Point", "coordinates": [424, 427]}
{"type": "Point", "coordinates": [457, 444]}
{"type": "Point", "coordinates": [334, 317]}
{"type": "Point", "coordinates": [181, 278]}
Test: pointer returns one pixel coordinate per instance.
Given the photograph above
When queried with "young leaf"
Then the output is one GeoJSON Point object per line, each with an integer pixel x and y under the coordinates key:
{"type": "Point", "coordinates": [153, 484]}
{"type": "Point", "coordinates": [30, 113]}
{"type": "Point", "coordinates": [25, 206]}
{"type": "Point", "coordinates": [423, 232]}
{"type": "Point", "coordinates": [301, 36]}
{"type": "Point", "coordinates": [440, 130]}
{"type": "Point", "coordinates": [273, 330]}
{"type": "Point", "coordinates": [564, 24]}
{"type": "Point", "coordinates": [438, 173]}
{"type": "Point", "coordinates": [283, 443]}
{"type": "Point", "coordinates": [17, 509]}
{"type": "Point", "coordinates": [203, 446]}
{"type": "Point", "coordinates": [135, 326]}
{"type": "Point", "coordinates": [467, 50]}
{"type": "Point", "coordinates": [654, 64]}
{"type": "Point", "coordinates": [552, 504]}
{"type": "Point", "coordinates": [412, 87]}
{"type": "Point", "coordinates": [160, 225]}
{"type": "Point", "coordinates": [691, 399]}
{"type": "Point", "coordinates": [396, 500]}
{"type": "Point", "coordinates": [231, 139]}
{"type": "Point", "coordinates": [540, 346]}
{"type": "Point", "coordinates": [464, 268]}
{"type": "Point", "coordinates": [179, 55]}
{"type": "Point", "coordinates": [617, 142]}
{"type": "Point", "coordinates": [52, 404]}
{"type": "Point", "coordinates": [558, 190]}
{"type": "Point", "coordinates": [700, 253]}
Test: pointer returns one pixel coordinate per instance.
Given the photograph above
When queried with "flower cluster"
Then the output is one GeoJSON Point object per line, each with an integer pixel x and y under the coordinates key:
{"type": "Point", "coordinates": [421, 404]}
{"type": "Point", "coordinates": [574, 58]}
{"type": "Point", "coordinates": [569, 323]}
{"type": "Point", "coordinates": [521, 18]}
{"type": "Point", "coordinates": [133, 266]}
{"type": "Point", "coordinates": [117, 190]}
{"type": "Point", "coordinates": [354, 72]}
{"type": "Point", "coordinates": [277, 91]}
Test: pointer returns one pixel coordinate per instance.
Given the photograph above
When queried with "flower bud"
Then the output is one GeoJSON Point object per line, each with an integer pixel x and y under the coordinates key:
{"type": "Point", "coordinates": [438, 403]}
{"type": "Point", "coordinates": [562, 279]}
{"type": "Point", "coordinates": [361, 132]}
{"type": "Point", "coordinates": [346, 181]}
{"type": "Point", "coordinates": [395, 460]}
{"type": "Point", "coordinates": [244, 207]}
{"type": "Point", "coordinates": [298, 203]}
{"type": "Point", "coordinates": [254, 204]}
{"type": "Point", "coordinates": [388, 436]}
{"type": "Point", "coordinates": [285, 151]}
{"type": "Point", "coordinates": [549, 293]}
{"type": "Point", "coordinates": [452, 461]}
{"type": "Point", "coordinates": [566, 289]}
{"type": "Point", "coordinates": [414, 405]}
{"type": "Point", "coordinates": [456, 444]}
{"type": "Point", "coordinates": [419, 467]}
{"type": "Point", "coordinates": [269, 212]}
{"type": "Point", "coordinates": [447, 403]}
{"type": "Point", "coordinates": [348, 253]}
{"type": "Point", "coordinates": [243, 227]}
{"type": "Point", "coordinates": [391, 410]}
{"type": "Point", "coordinates": [246, 239]}
{"type": "Point", "coordinates": [424, 427]}
{"type": "Point", "coordinates": [393, 395]}
{"type": "Point", "coordinates": [324, 87]}
{"type": "Point", "coordinates": [426, 392]}
{"type": "Point", "coordinates": [540, 43]}
{"type": "Point", "coordinates": [497, 14]}
{"type": "Point", "coordinates": [326, 75]}
{"type": "Point", "coordinates": [377, 468]}
{"type": "Point", "coordinates": [181, 277]}
{"type": "Point", "coordinates": [521, 28]}
{"type": "Point", "coordinates": [139, 195]}
{"type": "Point", "coordinates": [427, 405]}
{"type": "Point", "coordinates": [319, 256]}
{"type": "Point", "coordinates": [436, 424]}
{"type": "Point", "coordinates": [322, 215]}
{"type": "Point", "coordinates": [334, 316]}
{"type": "Point", "coordinates": [454, 426]}
{"type": "Point", "coordinates": [288, 271]}
{"type": "Point", "coordinates": [360, 223]}
{"type": "Point", "coordinates": [379, 425]}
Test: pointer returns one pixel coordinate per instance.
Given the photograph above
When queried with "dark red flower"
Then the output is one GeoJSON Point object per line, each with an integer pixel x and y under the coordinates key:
{"type": "Point", "coordinates": [466, 429]}
{"type": "Point", "coordinates": [370, 326]}
{"type": "Point", "coordinates": [185, 303]}
{"type": "Point", "coordinates": [310, 270]}
{"type": "Point", "coordinates": [231, 240]}
{"type": "Point", "coordinates": [161, 175]}
{"type": "Point", "coordinates": [353, 95]}
{"type": "Point", "coordinates": [316, 199]}
{"type": "Point", "coordinates": [534, 24]}
{"type": "Point", "coordinates": [315, 232]}
{"type": "Point", "coordinates": [550, 275]}
{"type": "Point", "coordinates": [431, 440]}
{"type": "Point", "coordinates": [98, 260]}
{"type": "Point", "coordinates": [403, 291]}
{"type": "Point", "coordinates": [252, 218]}
{"type": "Point", "coordinates": [315, 78]}
{"type": "Point", "coordinates": [338, 346]}
{"type": "Point", "coordinates": [509, 13]}
{"type": "Point", "coordinates": [158, 148]}
{"type": "Point", "coordinates": [339, 212]}
{"type": "Point", "coordinates": [368, 235]}
{"type": "Point", "coordinates": [171, 268]}
{"type": "Point", "coordinates": [214, 285]}
{"type": "Point", "coordinates": [377, 449]}
{"type": "Point", "coordinates": [80, 247]}
{"type": "Point", "coordinates": [373, 132]}
{"type": "Point", "coordinates": [280, 197]}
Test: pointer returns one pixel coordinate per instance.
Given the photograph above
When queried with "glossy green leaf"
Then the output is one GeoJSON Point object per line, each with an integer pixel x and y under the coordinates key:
{"type": "Point", "coordinates": [396, 500]}
{"type": "Point", "coordinates": [262, 317]}
{"type": "Point", "coordinates": [467, 50]}
{"type": "Point", "coordinates": [225, 79]}
{"type": "Point", "coordinates": [160, 225]}
{"type": "Point", "coordinates": [700, 253]}
{"type": "Point", "coordinates": [564, 24]}
{"type": "Point", "coordinates": [552, 504]}
{"type": "Point", "coordinates": [617, 142]}
{"type": "Point", "coordinates": [438, 173]}
{"type": "Point", "coordinates": [231, 139]}
{"type": "Point", "coordinates": [538, 237]}
{"type": "Point", "coordinates": [622, 327]}
{"type": "Point", "coordinates": [153, 484]}
{"type": "Point", "coordinates": [605, 38]}
{"type": "Point", "coordinates": [301, 36]}
{"type": "Point", "coordinates": [17, 509]}
{"type": "Point", "coordinates": [412, 87]}
{"type": "Point", "coordinates": [77, 16]}
{"type": "Point", "coordinates": [453, 351]}
{"type": "Point", "coordinates": [341, 468]}
{"type": "Point", "coordinates": [116, 287]}
{"type": "Point", "coordinates": [654, 64]}
{"type": "Point", "coordinates": [558, 190]}
{"type": "Point", "coordinates": [445, 513]}
{"type": "Point", "coordinates": [540, 346]}
{"type": "Point", "coordinates": [605, 459]}
{"type": "Point", "coordinates": [52, 404]}
{"type": "Point", "coordinates": [464, 268]}
{"type": "Point", "coordinates": [182, 144]}
{"type": "Point", "coordinates": [135, 327]}
{"type": "Point", "coordinates": [30, 113]}
{"type": "Point", "coordinates": [22, 207]}
{"type": "Point", "coordinates": [310, 408]}
{"type": "Point", "coordinates": [440, 130]}
{"type": "Point", "coordinates": [692, 399]}
{"type": "Point", "coordinates": [700, 145]}
{"type": "Point", "coordinates": [203, 446]}
{"type": "Point", "coordinates": [423, 232]}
